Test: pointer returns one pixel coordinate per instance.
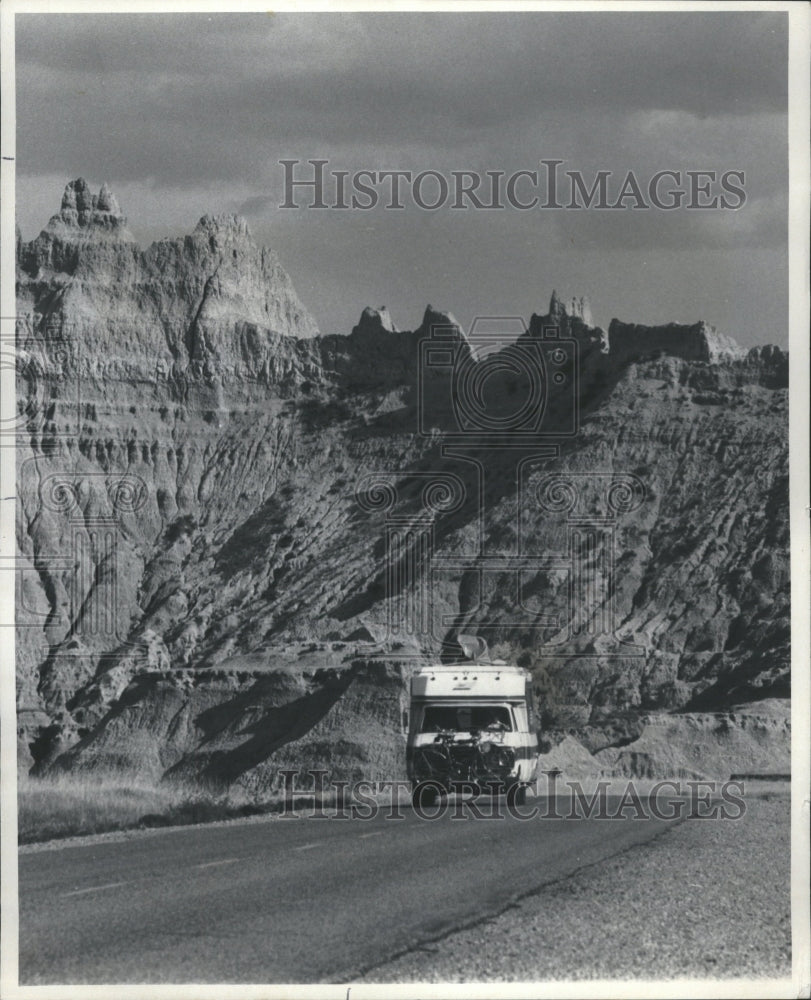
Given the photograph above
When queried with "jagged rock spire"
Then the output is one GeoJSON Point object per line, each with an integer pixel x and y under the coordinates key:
{"type": "Point", "coordinates": [83, 212]}
{"type": "Point", "coordinates": [439, 319]}
{"type": "Point", "coordinates": [375, 321]}
{"type": "Point", "coordinates": [226, 225]}
{"type": "Point", "coordinates": [574, 307]}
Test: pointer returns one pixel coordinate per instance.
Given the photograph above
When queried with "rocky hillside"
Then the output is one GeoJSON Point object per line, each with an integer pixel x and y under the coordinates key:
{"type": "Point", "coordinates": [213, 582]}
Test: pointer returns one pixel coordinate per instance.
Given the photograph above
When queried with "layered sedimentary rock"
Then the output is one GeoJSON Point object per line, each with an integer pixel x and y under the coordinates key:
{"type": "Point", "coordinates": [699, 342]}
{"type": "Point", "coordinates": [208, 490]}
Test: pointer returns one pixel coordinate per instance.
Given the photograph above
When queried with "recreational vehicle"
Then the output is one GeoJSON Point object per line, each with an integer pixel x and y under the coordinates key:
{"type": "Point", "coordinates": [471, 728]}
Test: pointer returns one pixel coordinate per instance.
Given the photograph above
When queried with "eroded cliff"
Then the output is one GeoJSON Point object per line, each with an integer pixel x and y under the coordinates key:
{"type": "Point", "coordinates": [204, 584]}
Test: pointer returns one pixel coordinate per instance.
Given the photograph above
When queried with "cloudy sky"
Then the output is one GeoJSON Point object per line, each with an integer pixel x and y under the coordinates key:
{"type": "Point", "coordinates": [187, 114]}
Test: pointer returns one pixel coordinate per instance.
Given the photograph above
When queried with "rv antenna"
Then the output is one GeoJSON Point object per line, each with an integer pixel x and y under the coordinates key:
{"type": "Point", "coordinates": [473, 647]}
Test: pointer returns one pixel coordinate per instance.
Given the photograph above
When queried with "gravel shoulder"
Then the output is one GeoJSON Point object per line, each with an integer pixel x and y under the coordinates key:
{"type": "Point", "coordinates": [707, 899]}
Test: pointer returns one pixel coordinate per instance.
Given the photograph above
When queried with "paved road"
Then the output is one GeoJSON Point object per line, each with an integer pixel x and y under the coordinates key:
{"type": "Point", "coordinates": [286, 901]}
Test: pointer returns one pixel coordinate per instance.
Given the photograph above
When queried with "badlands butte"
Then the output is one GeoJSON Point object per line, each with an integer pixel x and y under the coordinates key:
{"type": "Point", "coordinates": [202, 589]}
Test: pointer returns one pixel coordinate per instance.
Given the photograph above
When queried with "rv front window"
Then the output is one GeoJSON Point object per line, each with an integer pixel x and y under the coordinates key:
{"type": "Point", "coordinates": [464, 718]}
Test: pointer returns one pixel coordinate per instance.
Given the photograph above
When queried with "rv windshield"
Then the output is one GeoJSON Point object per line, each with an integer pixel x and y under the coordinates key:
{"type": "Point", "coordinates": [464, 718]}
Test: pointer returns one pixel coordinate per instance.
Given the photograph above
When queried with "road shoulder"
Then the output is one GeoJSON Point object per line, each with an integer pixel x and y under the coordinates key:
{"type": "Point", "coordinates": [707, 899]}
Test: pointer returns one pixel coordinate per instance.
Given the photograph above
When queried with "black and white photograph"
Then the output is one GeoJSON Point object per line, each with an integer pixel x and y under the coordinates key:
{"type": "Point", "coordinates": [405, 500]}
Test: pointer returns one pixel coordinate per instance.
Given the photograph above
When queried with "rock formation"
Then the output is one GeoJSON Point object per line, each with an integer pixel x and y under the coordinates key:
{"type": "Point", "coordinates": [85, 214]}
{"type": "Point", "coordinates": [574, 308]}
{"type": "Point", "coordinates": [375, 321]}
{"type": "Point", "coordinates": [202, 577]}
{"type": "Point", "coordinates": [700, 342]}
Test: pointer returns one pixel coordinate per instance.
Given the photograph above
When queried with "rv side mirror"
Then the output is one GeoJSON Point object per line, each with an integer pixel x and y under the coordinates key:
{"type": "Point", "coordinates": [405, 720]}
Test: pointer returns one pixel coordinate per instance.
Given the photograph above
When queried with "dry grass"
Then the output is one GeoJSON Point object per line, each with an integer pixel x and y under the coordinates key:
{"type": "Point", "coordinates": [66, 806]}
{"type": "Point", "coordinates": [69, 806]}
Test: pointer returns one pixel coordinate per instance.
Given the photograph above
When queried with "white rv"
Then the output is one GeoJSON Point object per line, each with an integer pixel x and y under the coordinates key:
{"type": "Point", "coordinates": [471, 728]}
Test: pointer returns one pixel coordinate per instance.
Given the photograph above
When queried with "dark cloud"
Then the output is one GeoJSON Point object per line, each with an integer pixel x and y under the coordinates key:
{"type": "Point", "coordinates": [189, 113]}
{"type": "Point", "coordinates": [706, 63]}
{"type": "Point", "coordinates": [203, 95]}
